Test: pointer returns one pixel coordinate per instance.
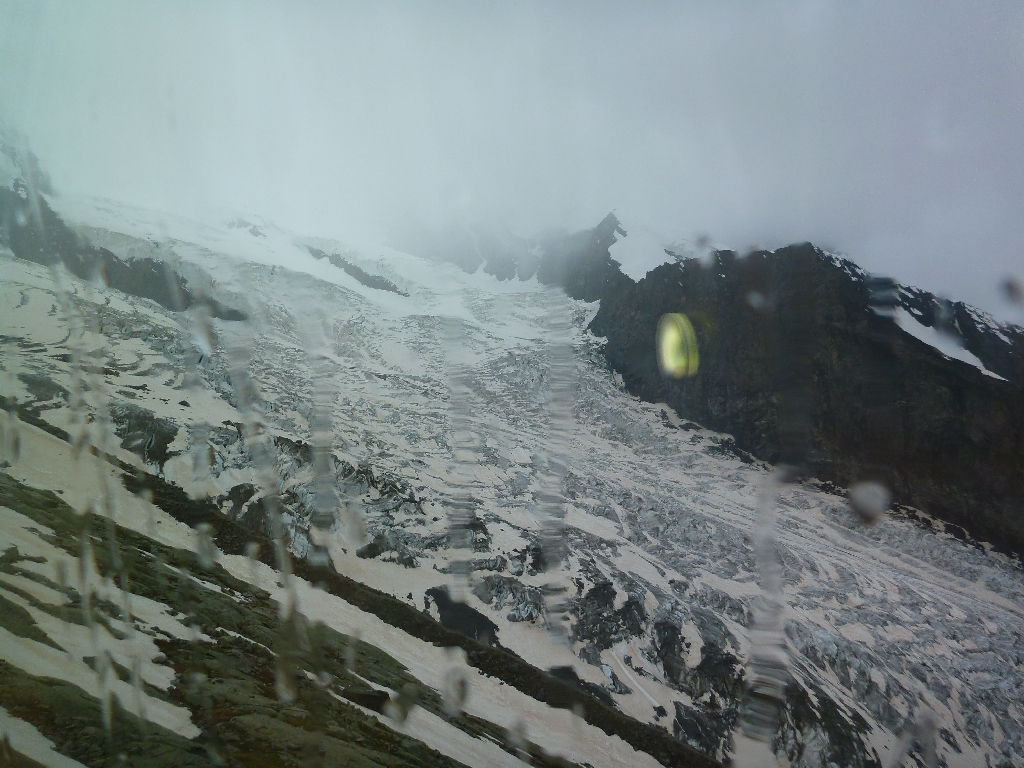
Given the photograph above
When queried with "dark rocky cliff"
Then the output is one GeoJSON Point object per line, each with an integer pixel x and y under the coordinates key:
{"type": "Point", "coordinates": [816, 378]}
{"type": "Point", "coordinates": [34, 232]}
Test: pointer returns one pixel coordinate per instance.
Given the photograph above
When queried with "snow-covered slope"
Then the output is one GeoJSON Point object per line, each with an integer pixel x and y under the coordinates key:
{"type": "Point", "coordinates": [945, 344]}
{"type": "Point", "coordinates": [658, 512]}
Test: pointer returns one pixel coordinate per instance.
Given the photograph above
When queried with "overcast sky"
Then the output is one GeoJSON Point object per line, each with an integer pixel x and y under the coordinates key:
{"type": "Point", "coordinates": [893, 132]}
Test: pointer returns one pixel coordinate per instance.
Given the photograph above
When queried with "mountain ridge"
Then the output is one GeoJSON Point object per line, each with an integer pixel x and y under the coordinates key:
{"type": "Point", "coordinates": [875, 403]}
{"type": "Point", "coordinates": [659, 512]}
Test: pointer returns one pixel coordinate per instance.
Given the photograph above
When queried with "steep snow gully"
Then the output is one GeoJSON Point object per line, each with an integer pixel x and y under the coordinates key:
{"type": "Point", "coordinates": [171, 435]}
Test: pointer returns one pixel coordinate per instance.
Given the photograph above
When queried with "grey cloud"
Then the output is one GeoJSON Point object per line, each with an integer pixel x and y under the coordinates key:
{"type": "Point", "coordinates": [894, 134]}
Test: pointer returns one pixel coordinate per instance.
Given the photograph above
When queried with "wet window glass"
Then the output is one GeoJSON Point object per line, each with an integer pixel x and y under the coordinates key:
{"type": "Point", "coordinates": [529, 383]}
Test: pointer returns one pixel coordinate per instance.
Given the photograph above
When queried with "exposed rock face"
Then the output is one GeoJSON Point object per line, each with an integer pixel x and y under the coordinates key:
{"type": "Point", "coordinates": [526, 603]}
{"type": "Point", "coordinates": [142, 433]}
{"type": "Point", "coordinates": [601, 623]}
{"type": "Point", "coordinates": [370, 281]}
{"type": "Point", "coordinates": [461, 617]}
{"type": "Point", "coordinates": [30, 228]}
{"type": "Point", "coordinates": [815, 377]}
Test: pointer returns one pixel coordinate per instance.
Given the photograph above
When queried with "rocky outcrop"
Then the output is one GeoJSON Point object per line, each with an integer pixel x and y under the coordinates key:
{"type": "Point", "coordinates": [526, 602]}
{"type": "Point", "coordinates": [370, 281]}
{"type": "Point", "coordinates": [803, 363]}
{"type": "Point", "coordinates": [458, 616]}
{"type": "Point", "coordinates": [142, 433]}
{"type": "Point", "coordinates": [800, 366]}
{"type": "Point", "coordinates": [31, 229]}
{"type": "Point", "coordinates": [599, 622]}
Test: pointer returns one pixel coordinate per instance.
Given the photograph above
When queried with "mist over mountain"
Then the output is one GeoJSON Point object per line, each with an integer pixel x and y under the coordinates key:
{"type": "Point", "coordinates": [572, 385]}
{"type": "Point", "coordinates": [888, 133]}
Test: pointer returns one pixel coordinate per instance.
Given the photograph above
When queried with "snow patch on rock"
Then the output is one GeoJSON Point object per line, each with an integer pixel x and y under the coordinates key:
{"type": "Point", "coordinates": [944, 344]}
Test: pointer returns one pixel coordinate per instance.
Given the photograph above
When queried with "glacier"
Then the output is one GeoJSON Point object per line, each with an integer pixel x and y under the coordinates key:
{"type": "Point", "coordinates": [659, 575]}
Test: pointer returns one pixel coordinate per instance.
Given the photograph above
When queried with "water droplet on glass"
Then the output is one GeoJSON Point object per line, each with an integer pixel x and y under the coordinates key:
{"type": "Point", "coordinates": [869, 500]}
{"type": "Point", "coordinates": [206, 549]}
{"type": "Point", "coordinates": [6, 751]}
{"type": "Point", "coordinates": [286, 683]}
{"type": "Point", "coordinates": [516, 737]}
{"type": "Point", "coordinates": [402, 703]}
{"type": "Point", "coordinates": [200, 323]}
{"type": "Point", "coordinates": [883, 295]}
{"type": "Point", "coordinates": [351, 648]}
{"type": "Point", "coordinates": [105, 674]}
{"type": "Point", "coordinates": [1012, 290]}
{"type": "Point", "coordinates": [99, 278]}
{"type": "Point", "coordinates": [704, 250]}
{"type": "Point", "coordinates": [455, 691]}
{"type": "Point", "coordinates": [678, 356]}
{"type": "Point", "coordinates": [252, 553]}
{"type": "Point", "coordinates": [195, 680]}
{"type": "Point", "coordinates": [10, 437]}
{"type": "Point", "coordinates": [757, 300]}
{"type": "Point", "coordinates": [87, 567]}
{"type": "Point", "coordinates": [202, 451]}
{"type": "Point", "coordinates": [921, 730]}
{"type": "Point", "coordinates": [768, 666]}
{"type": "Point", "coordinates": [466, 446]}
{"type": "Point", "coordinates": [136, 676]}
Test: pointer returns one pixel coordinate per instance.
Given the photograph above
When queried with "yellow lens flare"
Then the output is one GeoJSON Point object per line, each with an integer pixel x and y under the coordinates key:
{"type": "Point", "coordinates": [677, 346]}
